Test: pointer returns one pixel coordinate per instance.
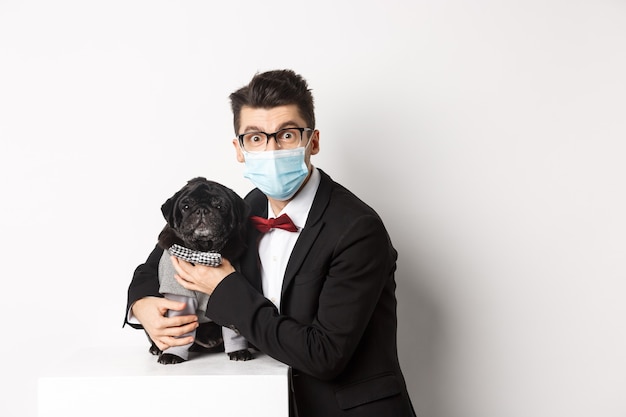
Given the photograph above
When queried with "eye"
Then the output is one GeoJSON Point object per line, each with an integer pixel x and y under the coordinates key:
{"type": "Point", "coordinates": [185, 204]}
{"type": "Point", "coordinates": [288, 135]}
{"type": "Point", "coordinates": [253, 138]}
{"type": "Point", "coordinates": [217, 203]}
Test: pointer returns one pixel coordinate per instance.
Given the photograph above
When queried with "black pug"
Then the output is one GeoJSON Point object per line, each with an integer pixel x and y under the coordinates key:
{"type": "Point", "coordinates": [204, 218]}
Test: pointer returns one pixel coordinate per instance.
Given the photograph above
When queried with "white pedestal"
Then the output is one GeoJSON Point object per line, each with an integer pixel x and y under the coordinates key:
{"type": "Point", "coordinates": [129, 382]}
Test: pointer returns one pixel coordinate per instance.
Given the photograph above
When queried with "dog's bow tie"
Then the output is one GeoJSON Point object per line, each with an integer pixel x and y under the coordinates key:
{"type": "Point", "coordinates": [281, 222]}
{"type": "Point", "coordinates": [196, 257]}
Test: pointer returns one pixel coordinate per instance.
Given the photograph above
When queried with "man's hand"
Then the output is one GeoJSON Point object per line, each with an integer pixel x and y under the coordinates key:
{"type": "Point", "coordinates": [164, 331]}
{"type": "Point", "coordinates": [201, 277]}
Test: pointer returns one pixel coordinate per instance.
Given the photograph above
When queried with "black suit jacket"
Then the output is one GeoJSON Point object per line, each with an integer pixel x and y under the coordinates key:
{"type": "Point", "coordinates": [337, 322]}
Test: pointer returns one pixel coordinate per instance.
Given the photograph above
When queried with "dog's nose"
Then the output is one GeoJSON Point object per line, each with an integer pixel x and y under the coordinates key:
{"type": "Point", "coordinates": [201, 211]}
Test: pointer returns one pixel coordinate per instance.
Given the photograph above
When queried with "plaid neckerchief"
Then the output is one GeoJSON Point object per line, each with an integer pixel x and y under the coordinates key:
{"type": "Point", "coordinates": [196, 257]}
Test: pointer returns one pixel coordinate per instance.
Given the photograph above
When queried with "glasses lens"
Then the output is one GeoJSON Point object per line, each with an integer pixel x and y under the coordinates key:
{"type": "Point", "coordinates": [288, 138]}
{"type": "Point", "coordinates": [254, 141]}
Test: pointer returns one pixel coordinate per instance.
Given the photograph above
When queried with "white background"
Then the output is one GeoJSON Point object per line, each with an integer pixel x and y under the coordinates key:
{"type": "Point", "coordinates": [489, 135]}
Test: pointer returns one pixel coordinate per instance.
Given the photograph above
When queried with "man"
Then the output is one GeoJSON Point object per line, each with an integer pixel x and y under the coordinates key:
{"type": "Point", "coordinates": [319, 297]}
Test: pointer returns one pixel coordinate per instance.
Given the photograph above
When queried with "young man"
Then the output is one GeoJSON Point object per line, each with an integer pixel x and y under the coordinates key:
{"type": "Point", "coordinates": [319, 297]}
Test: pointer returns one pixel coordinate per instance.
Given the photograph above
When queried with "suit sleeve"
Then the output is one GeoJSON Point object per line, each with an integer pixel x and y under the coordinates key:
{"type": "Point", "coordinates": [145, 282]}
{"type": "Point", "coordinates": [361, 264]}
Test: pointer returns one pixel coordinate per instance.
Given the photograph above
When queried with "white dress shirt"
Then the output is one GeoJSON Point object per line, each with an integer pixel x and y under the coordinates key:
{"type": "Point", "coordinates": [276, 245]}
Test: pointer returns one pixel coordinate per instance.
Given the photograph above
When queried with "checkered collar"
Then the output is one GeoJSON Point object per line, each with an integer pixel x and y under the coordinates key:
{"type": "Point", "coordinates": [196, 257]}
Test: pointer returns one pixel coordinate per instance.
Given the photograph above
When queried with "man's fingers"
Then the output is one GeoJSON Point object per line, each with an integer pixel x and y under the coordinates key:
{"type": "Point", "coordinates": [180, 325]}
{"type": "Point", "coordinates": [168, 304]}
{"type": "Point", "coordinates": [172, 335]}
{"type": "Point", "coordinates": [184, 283]}
{"type": "Point", "coordinates": [180, 265]}
{"type": "Point", "coordinates": [167, 341]}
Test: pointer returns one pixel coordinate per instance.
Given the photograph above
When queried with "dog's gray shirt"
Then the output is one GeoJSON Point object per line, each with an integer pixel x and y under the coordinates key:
{"type": "Point", "coordinates": [169, 285]}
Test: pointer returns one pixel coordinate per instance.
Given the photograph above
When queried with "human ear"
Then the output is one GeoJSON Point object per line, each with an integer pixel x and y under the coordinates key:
{"type": "Point", "coordinates": [239, 152]}
{"type": "Point", "coordinates": [315, 142]}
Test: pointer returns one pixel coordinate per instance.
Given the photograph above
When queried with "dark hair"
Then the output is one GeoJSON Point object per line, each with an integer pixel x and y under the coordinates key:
{"type": "Point", "coordinates": [271, 89]}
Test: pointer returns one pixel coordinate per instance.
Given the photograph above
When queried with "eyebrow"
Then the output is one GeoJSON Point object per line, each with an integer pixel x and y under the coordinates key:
{"type": "Point", "coordinates": [284, 125]}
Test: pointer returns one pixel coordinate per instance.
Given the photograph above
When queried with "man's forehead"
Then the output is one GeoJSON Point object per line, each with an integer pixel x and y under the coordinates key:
{"type": "Point", "coordinates": [266, 119]}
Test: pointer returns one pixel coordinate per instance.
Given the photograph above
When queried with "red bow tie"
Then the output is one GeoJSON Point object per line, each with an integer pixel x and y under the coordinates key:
{"type": "Point", "coordinates": [281, 222]}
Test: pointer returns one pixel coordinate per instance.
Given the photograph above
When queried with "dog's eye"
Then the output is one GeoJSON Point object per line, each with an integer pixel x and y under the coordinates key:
{"type": "Point", "coordinates": [217, 203]}
{"type": "Point", "coordinates": [186, 207]}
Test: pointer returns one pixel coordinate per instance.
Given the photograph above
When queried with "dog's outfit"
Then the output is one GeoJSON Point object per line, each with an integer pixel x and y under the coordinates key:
{"type": "Point", "coordinates": [196, 302]}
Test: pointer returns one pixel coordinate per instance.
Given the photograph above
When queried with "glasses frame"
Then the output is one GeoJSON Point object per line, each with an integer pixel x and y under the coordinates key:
{"type": "Point", "coordinates": [274, 135]}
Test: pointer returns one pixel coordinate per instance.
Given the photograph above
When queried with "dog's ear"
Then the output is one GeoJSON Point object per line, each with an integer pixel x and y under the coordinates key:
{"type": "Point", "coordinates": [169, 208]}
{"type": "Point", "coordinates": [168, 237]}
{"type": "Point", "coordinates": [240, 210]}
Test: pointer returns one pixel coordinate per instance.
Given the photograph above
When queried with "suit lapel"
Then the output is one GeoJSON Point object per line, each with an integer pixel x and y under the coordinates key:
{"type": "Point", "coordinates": [311, 230]}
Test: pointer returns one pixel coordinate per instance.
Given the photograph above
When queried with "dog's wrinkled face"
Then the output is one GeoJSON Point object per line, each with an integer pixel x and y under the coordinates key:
{"type": "Point", "coordinates": [205, 216]}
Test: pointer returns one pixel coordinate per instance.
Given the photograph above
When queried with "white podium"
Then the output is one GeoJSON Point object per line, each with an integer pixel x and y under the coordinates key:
{"type": "Point", "coordinates": [129, 382]}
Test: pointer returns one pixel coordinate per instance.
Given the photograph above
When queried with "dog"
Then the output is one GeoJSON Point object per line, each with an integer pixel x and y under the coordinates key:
{"type": "Point", "coordinates": [203, 216]}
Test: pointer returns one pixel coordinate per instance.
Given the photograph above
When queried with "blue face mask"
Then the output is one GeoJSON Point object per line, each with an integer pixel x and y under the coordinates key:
{"type": "Point", "coordinates": [278, 174]}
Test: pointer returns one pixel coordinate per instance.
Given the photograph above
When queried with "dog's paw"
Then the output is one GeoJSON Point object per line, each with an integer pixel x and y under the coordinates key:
{"type": "Point", "coordinates": [209, 335]}
{"type": "Point", "coordinates": [154, 350]}
{"type": "Point", "coordinates": [170, 359]}
{"type": "Point", "coordinates": [241, 355]}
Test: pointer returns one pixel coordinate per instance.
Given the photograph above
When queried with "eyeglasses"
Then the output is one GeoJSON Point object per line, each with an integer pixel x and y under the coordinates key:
{"type": "Point", "coordinates": [289, 138]}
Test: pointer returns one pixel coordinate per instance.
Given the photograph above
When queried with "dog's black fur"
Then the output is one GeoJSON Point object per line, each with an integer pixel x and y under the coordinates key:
{"type": "Point", "coordinates": [205, 216]}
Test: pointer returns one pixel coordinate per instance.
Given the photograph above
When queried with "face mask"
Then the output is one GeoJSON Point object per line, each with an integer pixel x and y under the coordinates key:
{"type": "Point", "coordinates": [278, 174]}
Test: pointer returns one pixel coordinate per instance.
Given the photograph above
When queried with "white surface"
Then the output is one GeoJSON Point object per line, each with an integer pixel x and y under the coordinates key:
{"type": "Point", "coordinates": [129, 381]}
